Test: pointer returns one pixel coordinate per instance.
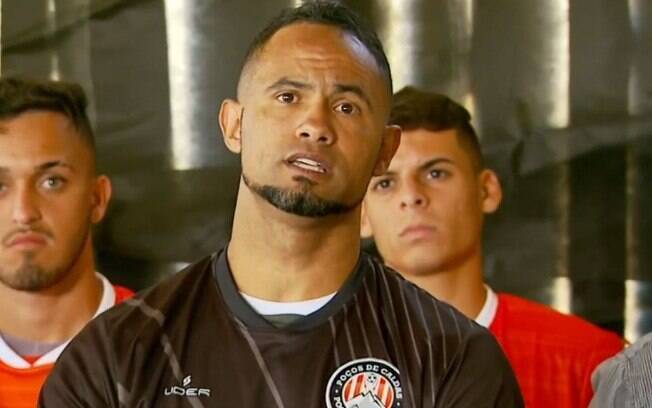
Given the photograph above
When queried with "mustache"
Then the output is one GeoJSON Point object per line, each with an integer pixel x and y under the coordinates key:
{"type": "Point", "coordinates": [33, 230]}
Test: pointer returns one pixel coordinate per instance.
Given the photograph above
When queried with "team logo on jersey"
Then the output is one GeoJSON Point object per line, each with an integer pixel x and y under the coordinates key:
{"type": "Point", "coordinates": [365, 383]}
{"type": "Point", "coordinates": [187, 390]}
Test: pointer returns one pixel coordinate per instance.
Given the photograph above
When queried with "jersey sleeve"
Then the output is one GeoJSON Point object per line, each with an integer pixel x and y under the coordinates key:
{"type": "Point", "coordinates": [82, 376]}
{"type": "Point", "coordinates": [480, 376]}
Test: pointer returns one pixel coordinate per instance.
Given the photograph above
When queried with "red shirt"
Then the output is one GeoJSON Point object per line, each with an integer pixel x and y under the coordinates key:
{"type": "Point", "coordinates": [21, 379]}
{"type": "Point", "coordinates": [552, 354]}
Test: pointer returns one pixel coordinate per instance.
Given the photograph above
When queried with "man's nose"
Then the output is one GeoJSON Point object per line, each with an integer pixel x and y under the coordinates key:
{"type": "Point", "coordinates": [414, 195]}
{"type": "Point", "coordinates": [26, 209]}
{"type": "Point", "coordinates": [317, 126]}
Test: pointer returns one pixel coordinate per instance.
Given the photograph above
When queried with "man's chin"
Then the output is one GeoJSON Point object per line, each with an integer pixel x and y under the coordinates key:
{"type": "Point", "coordinates": [418, 264]}
{"type": "Point", "coordinates": [298, 200]}
{"type": "Point", "coordinates": [30, 278]}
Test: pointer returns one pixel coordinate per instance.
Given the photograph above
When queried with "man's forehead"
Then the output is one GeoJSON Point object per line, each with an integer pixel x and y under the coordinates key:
{"type": "Point", "coordinates": [422, 141]}
{"type": "Point", "coordinates": [338, 51]}
{"type": "Point", "coordinates": [420, 148]}
{"type": "Point", "coordinates": [47, 120]}
{"type": "Point", "coordinates": [39, 137]}
{"type": "Point", "coordinates": [316, 36]}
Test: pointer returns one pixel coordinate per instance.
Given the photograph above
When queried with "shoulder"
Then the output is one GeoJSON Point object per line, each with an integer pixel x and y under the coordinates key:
{"type": "Point", "coordinates": [122, 340]}
{"type": "Point", "coordinates": [153, 305]}
{"type": "Point", "coordinates": [622, 378]}
{"type": "Point", "coordinates": [636, 357]}
{"type": "Point", "coordinates": [141, 318]}
{"type": "Point", "coordinates": [429, 316]}
{"type": "Point", "coordinates": [462, 352]}
{"type": "Point", "coordinates": [523, 317]}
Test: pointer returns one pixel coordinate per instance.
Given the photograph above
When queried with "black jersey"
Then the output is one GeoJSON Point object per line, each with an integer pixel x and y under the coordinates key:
{"type": "Point", "coordinates": [193, 341]}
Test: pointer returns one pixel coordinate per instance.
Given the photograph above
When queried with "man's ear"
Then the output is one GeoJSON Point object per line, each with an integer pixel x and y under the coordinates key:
{"type": "Point", "coordinates": [101, 196]}
{"type": "Point", "coordinates": [365, 226]}
{"type": "Point", "coordinates": [391, 140]}
{"type": "Point", "coordinates": [230, 117]}
{"type": "Point", "coordinates": [492, 192]}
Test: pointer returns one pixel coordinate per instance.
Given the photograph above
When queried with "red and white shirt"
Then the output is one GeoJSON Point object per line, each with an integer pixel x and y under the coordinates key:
{"type": "Point", "coordinates": [21, 377]}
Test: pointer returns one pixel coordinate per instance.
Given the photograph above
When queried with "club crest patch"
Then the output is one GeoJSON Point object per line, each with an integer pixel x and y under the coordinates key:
{"type": "Point", "coordinates": [365, 383]}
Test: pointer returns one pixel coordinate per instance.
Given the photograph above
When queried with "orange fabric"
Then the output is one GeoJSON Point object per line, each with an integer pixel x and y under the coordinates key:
{"type": "Point", "coordinates": [552, 354]}
{"type": "Point", "coordinates": [19, 387]}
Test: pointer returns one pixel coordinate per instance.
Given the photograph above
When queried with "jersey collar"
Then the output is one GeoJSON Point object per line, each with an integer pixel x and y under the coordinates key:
{"type": "Point", "coordinates": [250, 318]}
{"type": "Point", "coordinates": [488, 311]}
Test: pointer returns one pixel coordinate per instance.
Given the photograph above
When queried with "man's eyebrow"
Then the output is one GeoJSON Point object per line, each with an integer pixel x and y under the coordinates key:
{"type": "Point", "coordinates": [286, 82]}
{"type": "Point", "coordinates": [432, 162]}
{"type": "Point", "coordinates": [423, 166]}
{"type": "Point", "coordinates": [53, 163]}
{"type": "Point", "coordinates": [355, 89]}
{"type": "Point", "coordinates": [43, 167]}
{"type": "Point", "coordinates": [387, 173]}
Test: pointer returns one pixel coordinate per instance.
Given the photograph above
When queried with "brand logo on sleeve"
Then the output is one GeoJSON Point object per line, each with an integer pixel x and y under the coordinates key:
{"type": "Point", "coordinates": [365, 383]}
{"type": "Point", "coordinates": [186, 390]}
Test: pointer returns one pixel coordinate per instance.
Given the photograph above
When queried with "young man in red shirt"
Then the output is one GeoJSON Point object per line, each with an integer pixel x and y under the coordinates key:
{"type": "Point", "coordinates": [50, 195]}
{"type": "Point", "coordinates": [426, 215]}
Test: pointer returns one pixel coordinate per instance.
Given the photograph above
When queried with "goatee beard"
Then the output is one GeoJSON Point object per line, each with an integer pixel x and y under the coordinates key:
{"type": "Point", "coordinates": [302, 202]}
{"type": "Point", "coordinates": [32, 277]}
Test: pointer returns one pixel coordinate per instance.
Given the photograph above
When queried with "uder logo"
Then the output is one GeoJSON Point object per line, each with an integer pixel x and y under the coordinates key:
{"type": "Point", "coordinates": [365, 383]}
{"type": "Point", "coordinates": [187, 391]}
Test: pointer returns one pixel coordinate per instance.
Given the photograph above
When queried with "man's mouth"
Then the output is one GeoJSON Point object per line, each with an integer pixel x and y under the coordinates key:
{"type": "Point", "coordinates": [308, 163]}
{"type": "Point", "coordinates": [28, 240]}
{"type": "Point", "coordinates": [417, 231]}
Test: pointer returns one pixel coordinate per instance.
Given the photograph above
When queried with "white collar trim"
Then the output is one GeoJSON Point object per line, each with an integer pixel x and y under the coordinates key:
{"type": "Point", "coordinates": [488, 311]}
{"type": "Point", "coordinates": [305, 307]}
{"type": "Point", "coordinates": [12, 359]}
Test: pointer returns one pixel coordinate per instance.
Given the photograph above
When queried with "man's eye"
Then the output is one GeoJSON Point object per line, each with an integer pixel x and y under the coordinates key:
{"type": "Point", "coordinates": [437, 174]}
{"type": "Point", "coordinates": [346, 107]}
{"type": "Point", "coordinates": [383, 184]}
{"type": "Point", "coordinates": [53, 183]}
{"type": "Point", "coordinates": [286, 97]}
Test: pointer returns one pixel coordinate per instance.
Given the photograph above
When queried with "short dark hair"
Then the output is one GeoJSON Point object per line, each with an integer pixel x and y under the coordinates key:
{"type": "Point", "coordinates": [414, 108]}
{"type": "Point", "coordinates": [331, 14]}
{"type": "Point", "coordinates": [20, 95]}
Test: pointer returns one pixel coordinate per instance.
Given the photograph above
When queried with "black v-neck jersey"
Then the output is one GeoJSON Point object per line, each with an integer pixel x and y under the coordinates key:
{"type": "Point", "coordinates": [193, 341]}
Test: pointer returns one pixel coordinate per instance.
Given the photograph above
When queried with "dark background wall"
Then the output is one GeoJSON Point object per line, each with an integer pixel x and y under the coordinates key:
{"type": "Point", "coordinates": [561, 92]}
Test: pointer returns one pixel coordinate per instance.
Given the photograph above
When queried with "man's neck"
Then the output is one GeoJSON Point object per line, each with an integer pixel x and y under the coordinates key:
{"type": "Point", "coordinates": [57, 313]}
{"type": "Point", "coordinates": [282, 257]}
{"type": "Point", "coordinates": [462, 285]}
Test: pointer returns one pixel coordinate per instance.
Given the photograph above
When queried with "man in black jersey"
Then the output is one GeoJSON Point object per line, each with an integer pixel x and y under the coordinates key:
{"type": "Point", "coordinates": [291, 314]}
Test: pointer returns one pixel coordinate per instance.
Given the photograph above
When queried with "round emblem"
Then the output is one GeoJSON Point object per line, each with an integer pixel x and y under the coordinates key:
{"type": "Point", "coordinates": [365, 383]}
